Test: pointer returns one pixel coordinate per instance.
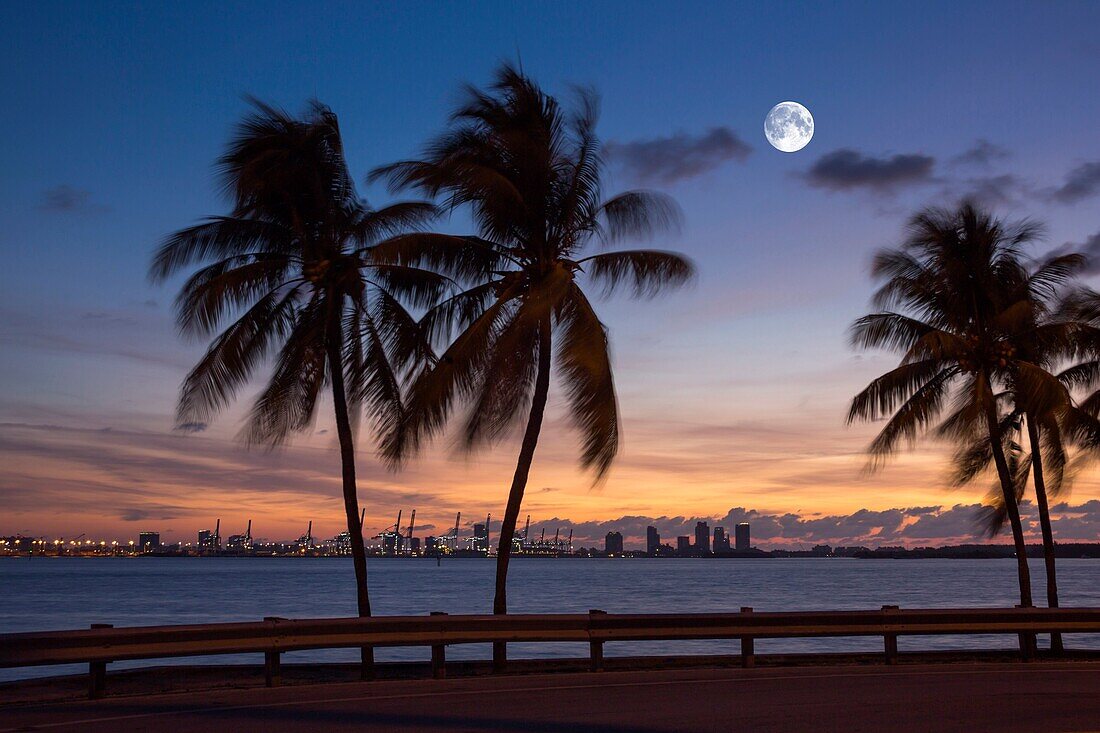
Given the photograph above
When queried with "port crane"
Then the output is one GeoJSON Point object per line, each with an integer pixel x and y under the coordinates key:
{"type": "Point", "coordinates": [242, 541]}
{"type": "Point", "coordinates": [400, 542]}
{"type": "Point", "coordinates": [396, 534]}
{"type": "Point", "coordinates": [306, 540]}
{"type": "Point", "coordinates": [409, 536]}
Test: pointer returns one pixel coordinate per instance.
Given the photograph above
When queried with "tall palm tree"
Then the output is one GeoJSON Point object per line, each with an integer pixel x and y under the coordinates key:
{"type": "Point", "coordinates": [532, 176]}
{"type": "Point", "coordinates": [944, 304]}
{"type": "Point", "coordinates": [291, 270]}
{"type": "Point", "coordinates": [1044, 334]}
{"type": "Point", "coordinates": [1044, 461]}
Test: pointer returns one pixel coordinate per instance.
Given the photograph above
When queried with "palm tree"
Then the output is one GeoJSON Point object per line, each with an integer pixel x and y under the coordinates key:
{"type": "Point", "coordinates": [949, 305]}
{"type": "Point", "coordinates": [1045, 334]}
{"type": "Point", "coordinates": [291, 270]}
{"type": "Point", "coordinates": [532, 176]}
{"type": "Point", "coordinates": [1045, 461]}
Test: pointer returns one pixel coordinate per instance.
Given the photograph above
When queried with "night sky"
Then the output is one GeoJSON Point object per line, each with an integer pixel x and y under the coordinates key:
{"type": "Point", "coordinates": [733, 393]}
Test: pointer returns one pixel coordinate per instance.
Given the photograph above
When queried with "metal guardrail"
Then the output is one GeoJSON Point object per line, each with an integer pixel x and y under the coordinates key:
{"type": "Point", "coordinates": [102, 643]}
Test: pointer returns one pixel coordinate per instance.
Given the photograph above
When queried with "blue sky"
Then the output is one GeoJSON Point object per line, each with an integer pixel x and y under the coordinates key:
{"type": "Point", "coordinates": [114, 113]}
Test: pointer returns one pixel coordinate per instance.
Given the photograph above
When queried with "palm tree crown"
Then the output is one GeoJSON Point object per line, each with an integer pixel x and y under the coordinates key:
{"type": "Point", "coordinates": [532, 176]}
{"type": "Point", "coordinates": [288, 263]}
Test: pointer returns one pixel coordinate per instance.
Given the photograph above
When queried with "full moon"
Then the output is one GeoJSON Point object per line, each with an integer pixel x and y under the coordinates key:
{"type": "Point", "coordinates": [789, 127]}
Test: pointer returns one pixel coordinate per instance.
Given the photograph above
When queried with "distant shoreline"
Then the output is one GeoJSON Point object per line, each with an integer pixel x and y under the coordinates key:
{"type": "Point", "coordinates": [1077, 550]}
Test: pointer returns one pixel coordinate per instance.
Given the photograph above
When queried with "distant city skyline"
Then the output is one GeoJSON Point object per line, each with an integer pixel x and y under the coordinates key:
{"type": "Point", "coordinates": [905, 527]}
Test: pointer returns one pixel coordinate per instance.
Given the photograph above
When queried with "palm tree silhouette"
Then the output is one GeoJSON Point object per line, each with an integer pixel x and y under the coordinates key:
{"type": "Point", "coordinates": [949, 304]}
{"type": "Point", "coordinates": [292, 268]}
{"type": "Point", "coordinates": [1044, 460]}
{"type": "Point", "coordinates": [1044, 334]}
{"type": "Point", "coordinates": [532, 176]}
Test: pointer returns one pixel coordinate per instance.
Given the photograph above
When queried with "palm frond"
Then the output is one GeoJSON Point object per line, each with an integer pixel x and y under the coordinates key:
{"type": "Point", "coordinates": [918, 412]}
{"type": "Point", "coordinates": [585, 367]}
{"type": "Point", "coordinates": [465, 259]}
{"type": "Point", "coordinates": [885, 393]}
{"type": "Point", "coordinates": [233, 357]}
{"type": "Point", "coordinates": [223, 237]}
{"type": "Point", "coordinates": [453, 376]}
{"type": "Point", "coordinates": [227, 286]}
{"type": "Point", "coordinates": [639, 214]}
{"type": "Point", "coordinates": [888, 331]}
{"type": "Point", "coordinates": [504, 388]}
{"type": "Point", "coordinates": [396, 219]}
{"type": "Point", "coordinates": [647, 271]}
{"type": "Point", "coordinates": [287, 403]}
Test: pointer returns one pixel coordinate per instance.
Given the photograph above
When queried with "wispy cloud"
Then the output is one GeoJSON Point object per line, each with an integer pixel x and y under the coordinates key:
{"type": "Point", "coordinates": [667, 160]}
{"type": "Point", "coordinates": [1080, 183]}
{"type": "Point", "coordinates": [982, 153]}
{"type": "Point", "coordinates": [71, 200]}
{"type": "Point", "coordinates": [848, 169]}
{"type": "Point", "coordinates": [1005, 189]}
{"type": "Point", "coordinates": [141, 335]}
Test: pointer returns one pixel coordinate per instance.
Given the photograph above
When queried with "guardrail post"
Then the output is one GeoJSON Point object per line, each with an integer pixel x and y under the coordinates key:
{"type": "Point", "coordinates": [748, 645]}
{"type": "Point", "coordinates": [97, 672]}
{"type": "Point", "coordinates": [273, 672]}
{"type": "Point", "coordinates": [890, 641]}
{"type": "Point", "coordinates": [1027, 643]}
{"type": "Point", "coordinates": [595, 648]}
{"type": "Point", "coordinates": [439, 655]}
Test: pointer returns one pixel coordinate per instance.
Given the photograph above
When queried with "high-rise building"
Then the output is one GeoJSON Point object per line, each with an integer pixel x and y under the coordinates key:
{"type": "Point", "coordinates": [683, 545]}
{"type": "Point", "coordinates": [481, 538]}
{"type": "Point", "coordinates": [613, 543]}
{"type": "Point", "coordinates": [721, 540]}
{"type": "Point", "coordinates": [206, 539]}
{"type": "Point", "coordinates": [702, 537]}
{"type": "Point", "coordinates": [389, 543]}
{"type": "Point", "coordinates": [652, 541]}
{"type": "Point", "coordinates": [743, 537]}
{"type": "Point", "coordinates": [148, 541]}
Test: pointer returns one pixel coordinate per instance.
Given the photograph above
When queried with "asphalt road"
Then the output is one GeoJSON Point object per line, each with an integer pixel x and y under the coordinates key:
{"type": "Point", "coordinates": [1046, 697]}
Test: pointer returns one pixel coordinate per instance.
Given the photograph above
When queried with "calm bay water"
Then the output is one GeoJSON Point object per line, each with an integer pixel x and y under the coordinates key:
{"type": "Point", "coordinates": [70, 593]}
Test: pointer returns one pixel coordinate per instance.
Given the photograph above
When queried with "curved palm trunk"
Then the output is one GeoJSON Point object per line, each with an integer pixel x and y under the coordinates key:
{"type": "Point", "coordinates": [335, 343]}
{"type": "Point", "coordinates": [519, 484]}
{"type": "Point", "coordinates": [1009, 491]}
{"type": "Point", "coordinates": [1044, 523]}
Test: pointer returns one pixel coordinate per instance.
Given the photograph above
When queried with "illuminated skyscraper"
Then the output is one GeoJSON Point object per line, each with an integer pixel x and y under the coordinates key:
{"type": "Point", "coordinates": [743, 537]}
